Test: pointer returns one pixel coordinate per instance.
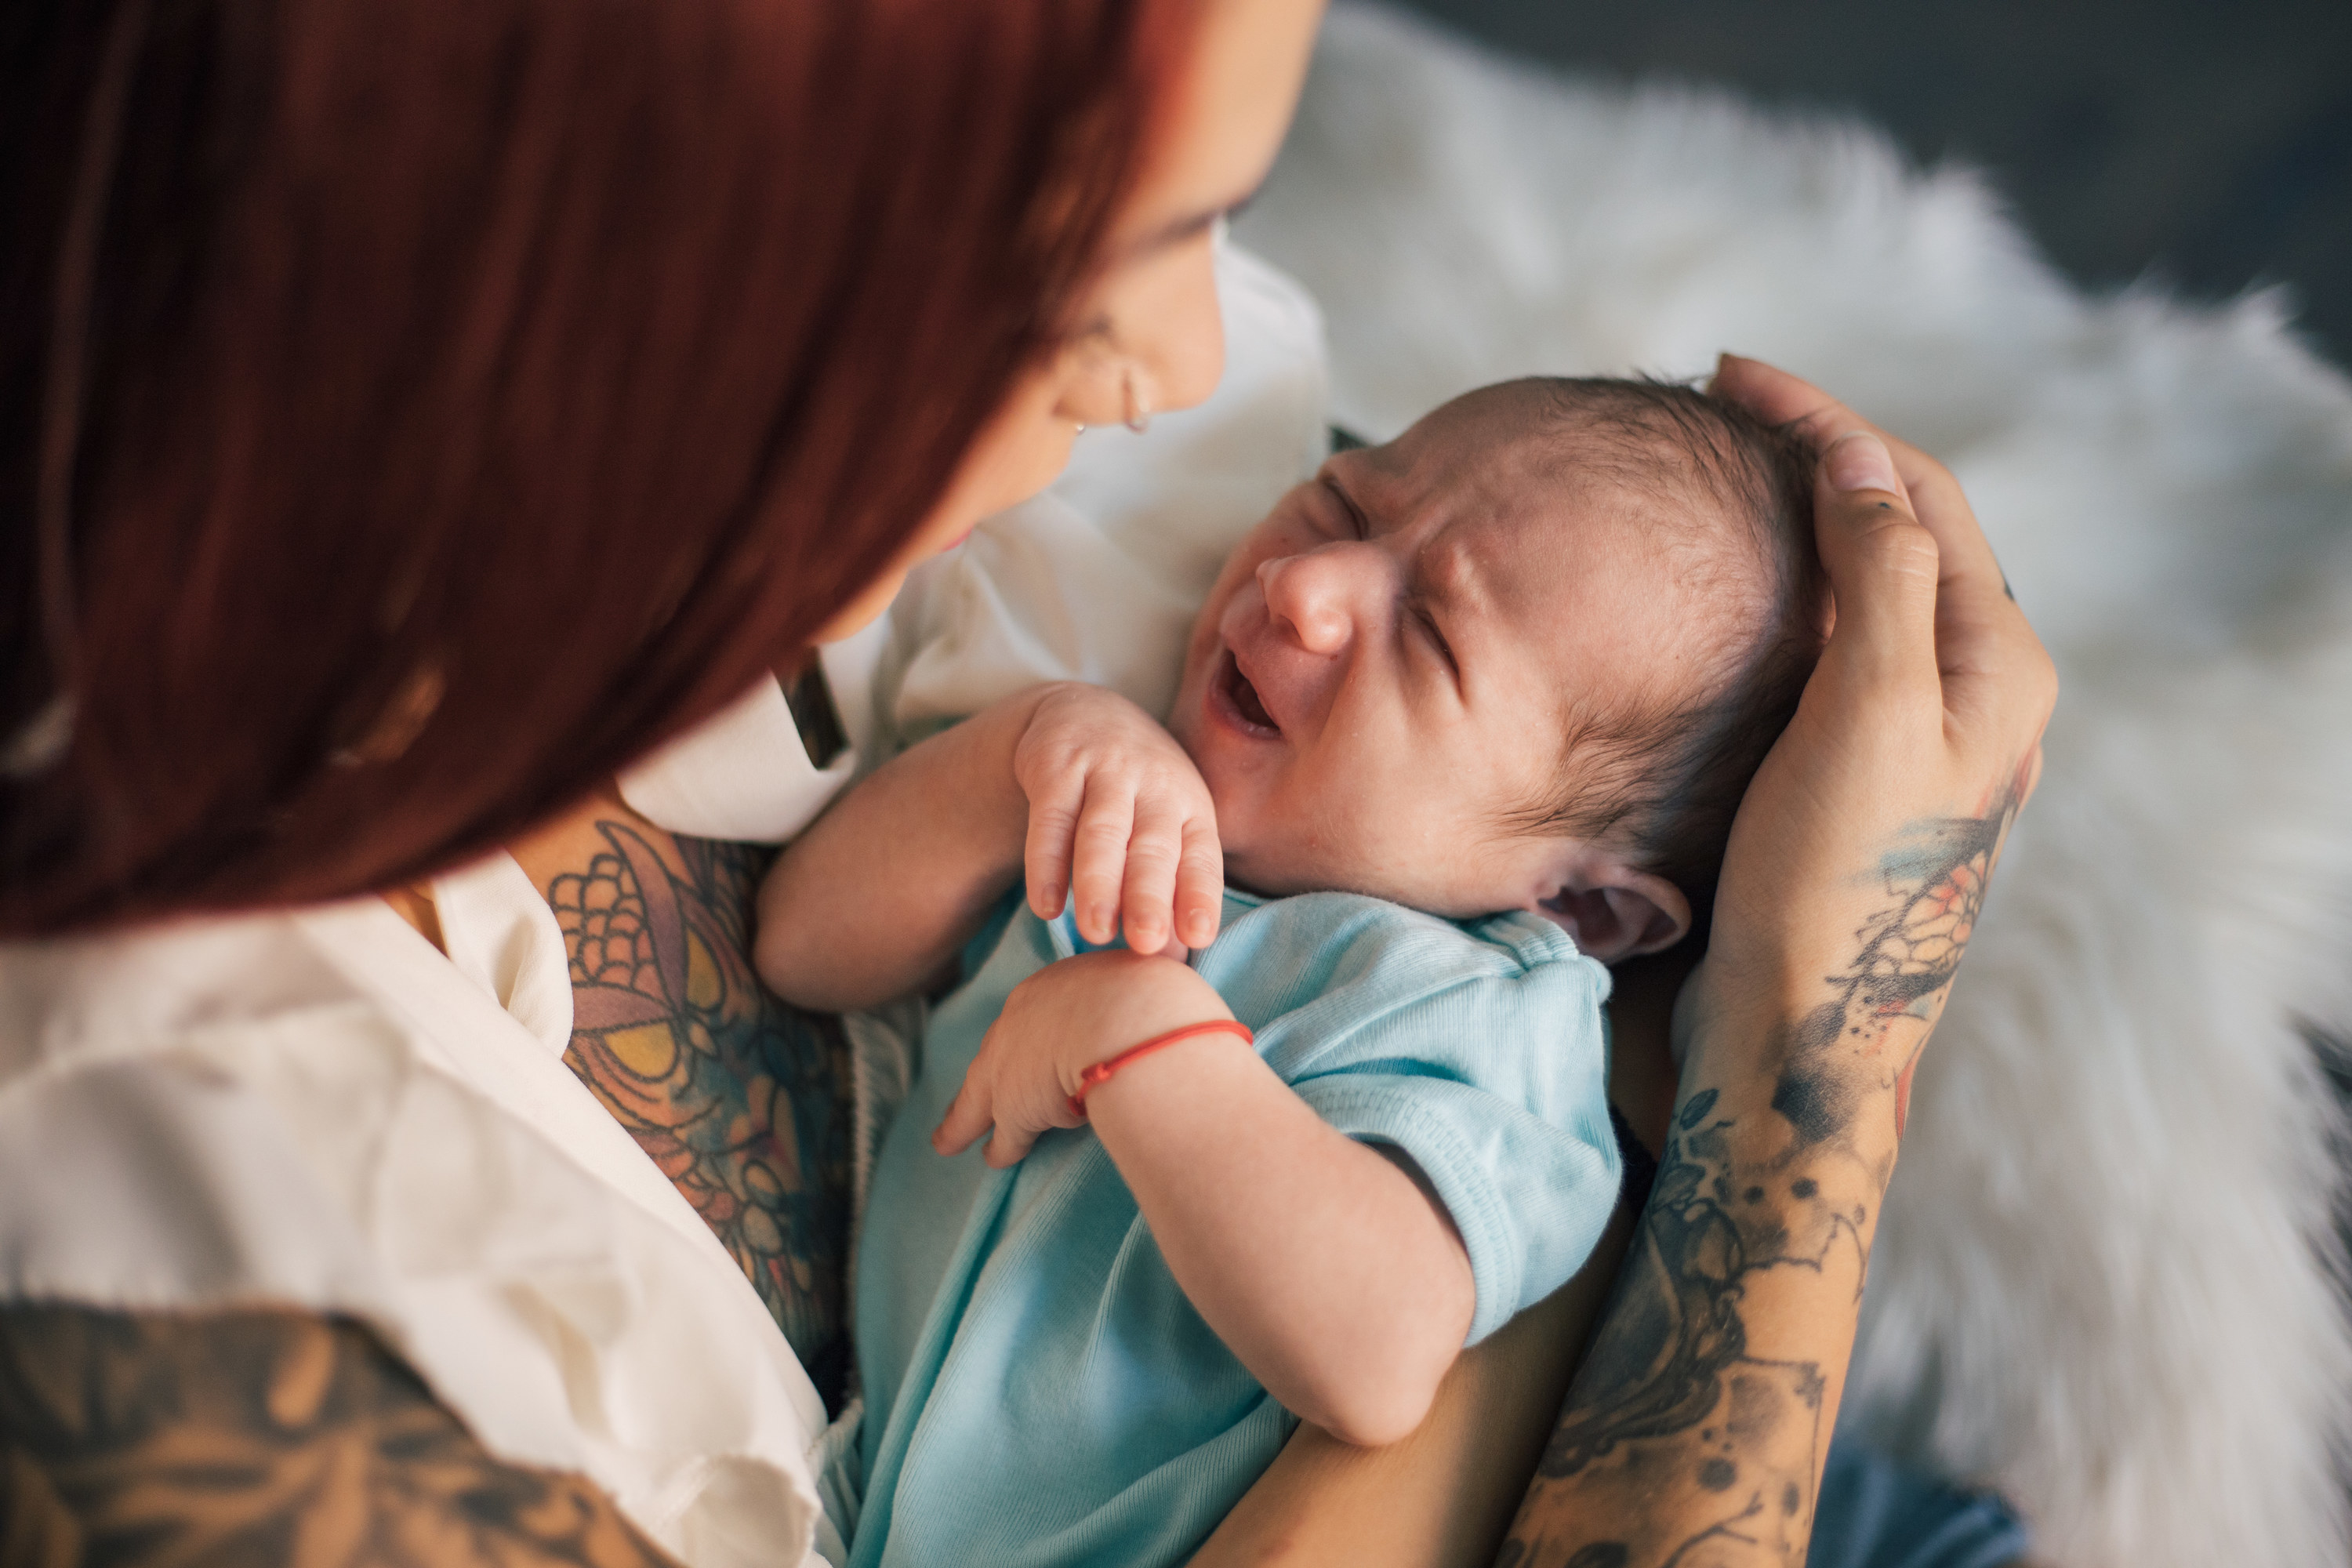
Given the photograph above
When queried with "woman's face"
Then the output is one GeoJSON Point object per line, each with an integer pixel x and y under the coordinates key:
{"type": "Point", "coordinates": [1149, 321]}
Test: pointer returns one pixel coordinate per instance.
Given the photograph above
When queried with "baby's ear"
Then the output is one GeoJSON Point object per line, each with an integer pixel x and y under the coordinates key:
{"type": "Point", "coordinates": [1614, 911]}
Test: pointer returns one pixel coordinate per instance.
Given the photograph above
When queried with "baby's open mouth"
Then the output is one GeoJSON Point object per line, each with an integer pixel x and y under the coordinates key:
{"type": "Point", "coordinates": [1244, 696]}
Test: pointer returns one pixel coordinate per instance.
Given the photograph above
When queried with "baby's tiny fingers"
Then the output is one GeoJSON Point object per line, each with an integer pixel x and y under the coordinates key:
{"type": "Point", "coordinates": [1099, 857]}
{"type": "Point", "coordinates": [1149, 894]}
{"type": "Point", "coordinates": [967, 1117]}
{"type": "Point", "coordinates": [1045, 855]}
{"type": "Point", "coordinates": [1009, 1147]}
{"type": "Point", "coordinates": [1200, 884]}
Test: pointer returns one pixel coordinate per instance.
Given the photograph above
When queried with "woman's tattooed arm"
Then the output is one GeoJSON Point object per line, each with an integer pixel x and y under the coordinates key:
{"type": "Point", "coordinates": [1694, 1432]}
{"type": "Point", "coordinates": [741, 1100]}
{"type": "Point", "coordinates": [261, 1436]}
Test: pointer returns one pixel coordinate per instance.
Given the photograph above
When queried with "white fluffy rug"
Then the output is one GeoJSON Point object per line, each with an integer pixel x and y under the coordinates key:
{"type": "Point", "coordinates": [2106, 1282]}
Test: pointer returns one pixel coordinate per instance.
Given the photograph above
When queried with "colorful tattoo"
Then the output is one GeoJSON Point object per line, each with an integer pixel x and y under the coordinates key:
{"type": "Point", "coordinates": [1882, 1005]}
{"type": "Point", "coordinates": [261, 1437]}
{"type": "Point", "coordinates": [1681, 1443]}
{"type": "Point", "coordinates": [741, 1100]}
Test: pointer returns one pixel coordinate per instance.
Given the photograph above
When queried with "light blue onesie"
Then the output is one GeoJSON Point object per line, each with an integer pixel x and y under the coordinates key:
{"type": "Point", "coordinates": [1038, 1389]}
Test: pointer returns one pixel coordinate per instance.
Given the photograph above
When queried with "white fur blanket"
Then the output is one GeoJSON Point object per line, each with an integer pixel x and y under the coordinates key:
{"type": "Point", "coordinates": [2106, 1282]}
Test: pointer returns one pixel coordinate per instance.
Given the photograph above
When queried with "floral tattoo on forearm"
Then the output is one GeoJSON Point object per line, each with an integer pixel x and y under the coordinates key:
{"type": "Point", "coordinates": [1681, 1445]}
{"type": "Point", "coordinates": [266, 1437]}
{"type": "Point", "coordinates": [743, 1100]}
{"type": "Point", "coordinates": [1905, 957]}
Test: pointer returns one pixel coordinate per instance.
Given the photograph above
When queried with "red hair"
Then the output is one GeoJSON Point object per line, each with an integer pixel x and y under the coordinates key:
{"type": "Point", "coordinates": [412, 411]}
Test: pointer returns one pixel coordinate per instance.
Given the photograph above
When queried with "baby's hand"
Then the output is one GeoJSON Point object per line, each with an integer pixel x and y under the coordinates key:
{"type": "Point", "coordinates": [1120, 817]}
{"type": "Point", "coordinates": [1056, 1024]}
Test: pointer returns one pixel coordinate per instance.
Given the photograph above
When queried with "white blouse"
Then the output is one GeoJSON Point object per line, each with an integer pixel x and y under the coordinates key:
{"type": "Point", "coordinates": [316, 1109]}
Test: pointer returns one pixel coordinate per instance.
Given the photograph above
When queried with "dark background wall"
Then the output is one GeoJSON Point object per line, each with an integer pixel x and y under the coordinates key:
{"type": "Point", "coordinates": [2209, 145]}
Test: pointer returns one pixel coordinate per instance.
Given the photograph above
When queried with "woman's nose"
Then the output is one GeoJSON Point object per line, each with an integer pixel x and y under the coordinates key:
{"type": "Point", "coordinates": [1317, 595]}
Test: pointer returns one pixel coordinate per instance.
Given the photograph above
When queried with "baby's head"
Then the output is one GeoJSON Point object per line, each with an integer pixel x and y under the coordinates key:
{"type": "Point", "coordinates": [1527, 655]}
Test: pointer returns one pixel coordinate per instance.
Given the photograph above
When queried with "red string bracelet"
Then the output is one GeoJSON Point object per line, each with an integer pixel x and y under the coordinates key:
{"type": "Point", "coordinates": [1101, 1070]}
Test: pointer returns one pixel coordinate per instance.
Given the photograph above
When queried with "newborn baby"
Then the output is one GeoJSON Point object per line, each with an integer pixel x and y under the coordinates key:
{"type": "Point", "coordinates": [1467, 716]}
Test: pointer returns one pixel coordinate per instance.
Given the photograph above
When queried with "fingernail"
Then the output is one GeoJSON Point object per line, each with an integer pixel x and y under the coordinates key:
{"type": "Point", "coordinates": [1859, 460]}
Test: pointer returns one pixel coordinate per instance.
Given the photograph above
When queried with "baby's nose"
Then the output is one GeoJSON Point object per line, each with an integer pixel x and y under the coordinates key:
{"type": "Point", "coordinates": [1312, 594]}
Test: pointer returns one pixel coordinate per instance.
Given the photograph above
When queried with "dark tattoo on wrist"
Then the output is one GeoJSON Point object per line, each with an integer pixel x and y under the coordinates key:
{"type": "Point", "coordinates": [1906, 955]}
{"type": "Point", "coordinates": [1680, 1444]}
{"type": "Point", "coordinates": [261, 1436]}
{"type": "Point", "coordinates": [1676, 1434]}
{"type": "Point", "coordinates": [743, 1100]}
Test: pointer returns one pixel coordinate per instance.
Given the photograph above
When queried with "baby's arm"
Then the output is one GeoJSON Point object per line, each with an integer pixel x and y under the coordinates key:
{"type": "Point", "coordinates": [1322, 1263]}
{"type": "Point", "coordinates": [879, 893]}
{"type": "Point", "coordinates": [1075, 782]}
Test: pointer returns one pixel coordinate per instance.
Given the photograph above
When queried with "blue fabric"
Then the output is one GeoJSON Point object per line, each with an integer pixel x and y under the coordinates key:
{"type": "Point", "coordinates": [1038, 1389]}
{"type": "Point", "coordinates": [1873, 1513]}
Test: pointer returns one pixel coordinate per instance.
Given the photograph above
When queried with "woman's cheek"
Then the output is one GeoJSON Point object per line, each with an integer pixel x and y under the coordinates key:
{"type": "Point", "coordinates": [1012, 462]}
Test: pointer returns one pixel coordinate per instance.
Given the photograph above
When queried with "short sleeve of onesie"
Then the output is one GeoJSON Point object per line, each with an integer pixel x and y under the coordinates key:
{"type": "Point", "coordinates": [1475, 1048]}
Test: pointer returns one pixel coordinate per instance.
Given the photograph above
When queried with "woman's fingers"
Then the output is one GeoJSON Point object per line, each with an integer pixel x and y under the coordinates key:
{"type": "Point", "coordinates": [1767, 390]}
{"type": "Point", "coordinates": [1882, 568]}
{"type": "Point", "coordinates": [1984, 649]}
{"type": "Point", "coordinates": [1777, 398]}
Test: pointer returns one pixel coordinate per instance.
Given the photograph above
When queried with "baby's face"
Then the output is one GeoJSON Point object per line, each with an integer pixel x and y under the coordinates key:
{"type": "Point", "coordinates": [1387, 662]}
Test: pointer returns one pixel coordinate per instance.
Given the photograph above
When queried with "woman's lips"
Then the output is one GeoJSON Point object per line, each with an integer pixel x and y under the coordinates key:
{"type": "Point", "coordinates": [1240, 699]}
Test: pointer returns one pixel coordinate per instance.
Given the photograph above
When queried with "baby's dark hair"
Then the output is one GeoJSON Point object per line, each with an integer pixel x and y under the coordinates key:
{"type": "Point", "coordinates": [1663, 779]}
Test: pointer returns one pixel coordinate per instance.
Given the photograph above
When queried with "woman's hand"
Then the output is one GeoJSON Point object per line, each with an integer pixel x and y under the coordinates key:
{"type": "Point", "coordinates": [1118, 818]}
{"type": "Point", "coordinates": [1056, 1024]}
{"type": "Point", "coordinates": [1698, 1424]}
{"type": "Point", "coordinates": [1862, 849]}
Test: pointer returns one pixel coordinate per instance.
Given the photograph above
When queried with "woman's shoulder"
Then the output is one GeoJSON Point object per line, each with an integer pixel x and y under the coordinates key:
{"type": "Point", "coordinates": [388, 1145]}
{"type": "Point", "coordinates": [71, 1001]}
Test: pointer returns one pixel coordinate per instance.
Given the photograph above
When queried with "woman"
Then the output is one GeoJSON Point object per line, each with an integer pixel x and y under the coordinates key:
{"type": "Point", "coordinates": [419, 413]}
